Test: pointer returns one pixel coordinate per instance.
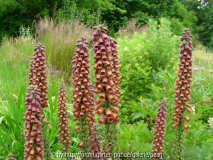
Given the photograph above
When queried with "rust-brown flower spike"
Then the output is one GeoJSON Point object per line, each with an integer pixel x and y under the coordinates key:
{"type": "Point", "coordinates": [94, 140]}
{"type": "Point", "coordinates": [33, 134]}
{"type": "Point", "coordinates": [37, 73]}
{"type": "Point", "coordinates": [115, 69]}
{"type": "Point", "coordinates": [105, 79]}
{"type": "Point", "coordinates": [81, 92]}
{"type": "Point", "coordinates": [159, 134]}
{"type": "Point", "coordinates": [92, 107]}
{"type": "Point", "coordinates": [81, 81]}
{"type": "Point", "coordinates": [63, 126]}
{"type": "Point", "coordinates": [184, 80]}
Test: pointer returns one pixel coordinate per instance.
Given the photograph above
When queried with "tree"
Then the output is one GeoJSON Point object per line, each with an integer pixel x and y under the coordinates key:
{"type": "Point", "coordinates": [203, 11]}
{"type": "Point", "coordinates": [206, 34]}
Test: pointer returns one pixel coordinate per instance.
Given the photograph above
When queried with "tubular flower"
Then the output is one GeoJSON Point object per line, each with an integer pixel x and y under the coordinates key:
{"type": "Point", "coordinates": [95, 147]}
{"type": "Point", "coordinates": [81, 92]}
{"type": "Point", "coordinates": [105, 79]}
{"type": "Point", "coordinates": [115, 69]}
{"type": "Point", "coordinates": [92, 107]}
{"type": "Point", "coordinates": [11, 157]}
{"type": "Point", "coordinates": [106, 84]}
{"type": "Point", "coordinates": [37, 74]}
{"type": "Point", "coordinates": [184, 80]}
{"type": "Point", "coordinates": [33, 134]}
{"type": "Point", "coordinates": [93, 132]}
{"type": "Point", "coordinates": [159, 134]}
{"type": "Point", "coordinates": [63, 127]}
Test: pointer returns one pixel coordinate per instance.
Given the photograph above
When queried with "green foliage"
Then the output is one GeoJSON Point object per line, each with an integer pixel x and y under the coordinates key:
{"type": "Point", "coordinates": [134, 69]}
{"type": "Point", "coordinates": [141, 10]}
{"type": "Point", "coordinates": [25, 31]}
{"type": "Point", "coordinates": [13, 14]}
{"type": "Point", "coordinates": [204, 151]}
{"type": "Point", "coordinates": [14, 67]}
{"type": "Point", "coordinates": [161, 45]}
{"type": "Point", "coordinates": [153, 50]}
{"type": "Point", "coordinates": [113, 13]}
{"type": "Point", "coordinates": [134, 138]}
{"type": "Point", "coordinates": [203, 89]}
{"type": "Point", "coordinates": [206, 35]}
{"type": "Point", "coordinates": [147, 68]}
{"type": "Point", "coordinates": [177, 26]}
{"type": "Point", "coordinates": [203, 10]}
{"type": "Point", "coordinates": [11, 18]}
{"type": "Point", "coordinates": [180, 17]}
{"type": "Point", "coordinates": [134, 65]}
{"type": "Point", "coordinates": [12, 126]}
{"type": "Point", "coordinates": [210, 44]}
{"type": "Point", "coordinates": [146, 109]}
{"type": "Point", "coordinates": [14, 64]}
{"type": "Point", "coordinates": [89, 13]}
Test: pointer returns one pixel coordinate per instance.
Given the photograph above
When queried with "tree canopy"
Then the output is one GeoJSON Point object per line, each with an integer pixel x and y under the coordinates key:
{"type": "Point", "coordinates": [194, 14]}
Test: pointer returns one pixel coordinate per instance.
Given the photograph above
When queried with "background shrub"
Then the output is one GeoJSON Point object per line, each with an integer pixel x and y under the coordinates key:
{"type": "Point", "coordinates": [153, 50]}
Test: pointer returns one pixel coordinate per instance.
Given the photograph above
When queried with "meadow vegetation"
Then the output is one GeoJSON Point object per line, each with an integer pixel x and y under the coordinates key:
{"type": "Point", "coordinates": [148, 66]}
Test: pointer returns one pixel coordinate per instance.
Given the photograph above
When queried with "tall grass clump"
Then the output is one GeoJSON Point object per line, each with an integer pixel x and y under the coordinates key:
{"type": "Point", "coordinates": [12, 125]}
{"type": "Point", "coordinates": [59, 40]}
{"type": "Point", "coordinates": [182, 91]}
{"type": "Point", "coordinates": [14, 63]}
{"type": "Point", "coordinates": [128, 30]}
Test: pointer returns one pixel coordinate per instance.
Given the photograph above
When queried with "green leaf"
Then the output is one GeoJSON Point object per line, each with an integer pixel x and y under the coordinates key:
{"type": "Point", "coordinates": [1, 119]}
{"type": "Point", "coordinates": [136, 115]}
{"type": "Point", "coordinates": [17, 148]}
